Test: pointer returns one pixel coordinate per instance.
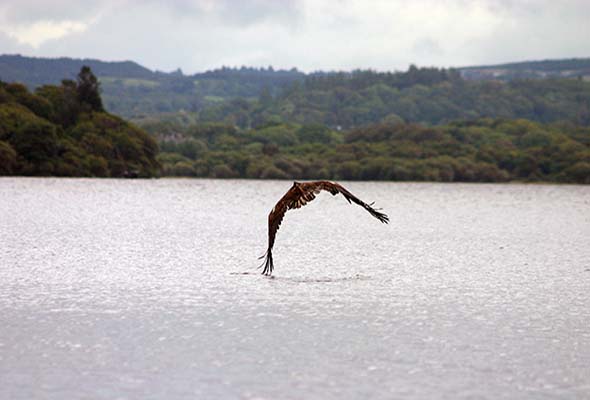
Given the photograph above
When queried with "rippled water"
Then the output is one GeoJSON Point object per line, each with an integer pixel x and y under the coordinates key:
{"type": "Point", "coordinates": [116, 289]}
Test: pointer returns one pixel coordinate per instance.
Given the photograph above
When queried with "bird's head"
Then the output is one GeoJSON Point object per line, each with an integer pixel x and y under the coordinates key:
{"type": "Point", "coordinates": [295, 183]}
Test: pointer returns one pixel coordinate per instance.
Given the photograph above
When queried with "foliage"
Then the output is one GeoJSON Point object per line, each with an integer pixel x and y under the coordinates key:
{"type": "Point", "coordinates": [423, 95]}
{"type": "Point", "coordinates": [7, 158]}
{"type": "Point", "coordinates": [484, 150]}
{"type": "Point", "coordinates": [251, 97]}
{"type": "Point", "coordinates": [421, 124]}
{"type": "Point", "coordinates": [88, 90]}
{"type": "Point", "coordinates": [62, 130]}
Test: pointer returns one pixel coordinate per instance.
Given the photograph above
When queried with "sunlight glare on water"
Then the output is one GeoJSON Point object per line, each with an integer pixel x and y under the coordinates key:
{"type": "Point", "coordinates": [149, 289]}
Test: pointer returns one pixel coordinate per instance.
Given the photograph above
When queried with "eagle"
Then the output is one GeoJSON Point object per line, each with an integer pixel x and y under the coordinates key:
{"type": "Point", "coordinates": [299, 195]}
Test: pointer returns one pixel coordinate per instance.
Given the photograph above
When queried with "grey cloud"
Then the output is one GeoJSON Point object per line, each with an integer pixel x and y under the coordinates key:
{"type": "Point", "coordinates": [9, 45]}
{"type": "Point", "coordinates": [30, 11]}
{"type": "Point", "coordinates": [427, 46]}
{"type": "Point", "coordinates": [230, 11]}
{"type": "Point", "coordinates": [309, 34]}
{"type": "Point", "coordinates": [248, 12]}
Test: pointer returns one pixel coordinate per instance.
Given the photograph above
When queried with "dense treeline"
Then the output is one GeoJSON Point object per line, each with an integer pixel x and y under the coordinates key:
{"type": "Point", "coordinates": [422, 124]}
{"type": "Point", "coordinates": [170, 93]}
{"type": "Point", "coordinates": [245, 82]}
{"type": "Point", "coordinates": [421, 95]}
{"type": "Point", "coordinates": [173, 93]}
{"type": "Point", "coordinates": [251, 97]}
{"type": "Point", "coordinates": [64, 131]}
{"type": "Point", "coordinates": [485, 150]}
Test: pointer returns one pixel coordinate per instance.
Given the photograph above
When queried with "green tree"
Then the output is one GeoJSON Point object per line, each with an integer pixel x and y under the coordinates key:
{"type": "Point", "coordinates": [64, 101]}
{"type": "Point", "coordinates": [7, 158]}
{"type": "Point", "coordinates": [89, 89]}
{"type": "Point", "coordinates": [37, 143]}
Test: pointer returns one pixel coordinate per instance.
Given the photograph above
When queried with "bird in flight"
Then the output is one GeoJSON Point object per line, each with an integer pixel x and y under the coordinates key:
{"type": "Point", "coordinates": [299, 195]}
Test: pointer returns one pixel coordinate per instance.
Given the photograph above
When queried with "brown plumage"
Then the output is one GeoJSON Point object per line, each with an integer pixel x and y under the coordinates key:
{"type": "Point", "coordinates": [299, 195]}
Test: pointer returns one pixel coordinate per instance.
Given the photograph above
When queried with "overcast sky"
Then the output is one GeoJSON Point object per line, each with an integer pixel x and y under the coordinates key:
{"type": "Point", "coordinates": [197, 35]}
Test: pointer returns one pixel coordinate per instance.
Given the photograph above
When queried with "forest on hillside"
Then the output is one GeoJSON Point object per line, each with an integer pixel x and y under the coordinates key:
{"type": "Point", "coordinates": [348, 100]}
{"type": "Point", "coordinates": [328, 126]}
{"type": "Point", "coordinates": [248, 97]}
{"type": "Point", "coordinates": [429, 96]}
{"type": "Point", "coordinates": [65, 131]}
{"type": "Point", "coordinates": [484, 150]}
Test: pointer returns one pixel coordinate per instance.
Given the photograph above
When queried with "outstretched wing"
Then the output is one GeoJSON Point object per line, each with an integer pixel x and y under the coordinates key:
{"type": "Point", "coordinates": [275, 218]}
{"type": "Point", "coordinates": [294, 198]}
{"type": "Point", "coordinates": [298, 196]}
{"type": "Point", "coordinates": [336, 188]}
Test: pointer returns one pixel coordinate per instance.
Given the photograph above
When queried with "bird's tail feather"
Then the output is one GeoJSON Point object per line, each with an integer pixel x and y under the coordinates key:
{"type": "Point", "coordinates": [267, 264]}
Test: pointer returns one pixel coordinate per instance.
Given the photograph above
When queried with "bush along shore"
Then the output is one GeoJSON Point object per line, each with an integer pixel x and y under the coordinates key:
{"type": "Point", "coordinates": [483, 150]}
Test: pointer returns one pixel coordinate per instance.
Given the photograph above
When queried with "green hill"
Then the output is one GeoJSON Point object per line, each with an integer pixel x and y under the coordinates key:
{"type": "Point", "coordinates": [248, 97]}
{"type": "Point", "coordinates": [421, 95]}
{"type": "Point", "coordinates": [131, 90]}
{"type": "Point", "coordinates": [64, 131]}
{"type": "Point", "coordinates": [35, 72]}
{"type": "Point", "coordinates": [422, 124]}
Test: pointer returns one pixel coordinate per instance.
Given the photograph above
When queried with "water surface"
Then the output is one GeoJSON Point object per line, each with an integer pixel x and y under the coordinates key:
{"type": "Point", "coordinates": [118, 289]}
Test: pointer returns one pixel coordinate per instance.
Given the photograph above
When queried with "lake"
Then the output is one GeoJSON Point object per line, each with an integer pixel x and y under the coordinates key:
{"type": "Point", "coordinates": [148, 289]}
